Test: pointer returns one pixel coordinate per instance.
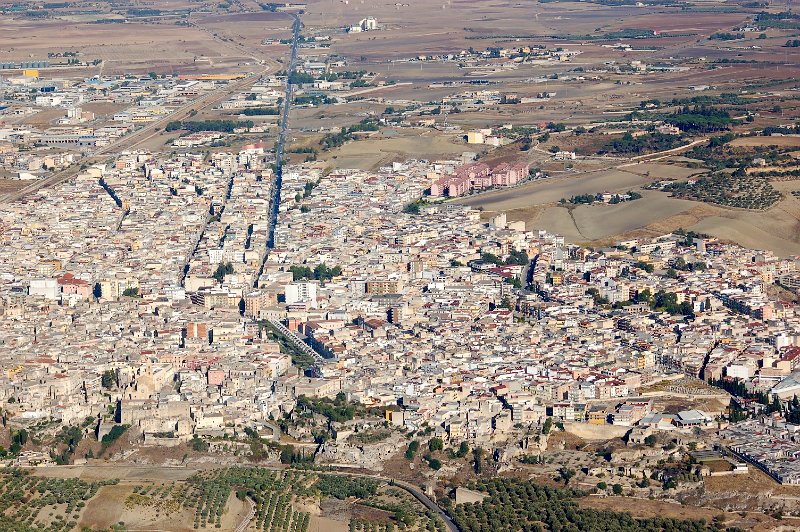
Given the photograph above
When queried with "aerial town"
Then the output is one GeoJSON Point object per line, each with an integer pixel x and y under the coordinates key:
{"type": "Point", "coordinates": [288, 280]}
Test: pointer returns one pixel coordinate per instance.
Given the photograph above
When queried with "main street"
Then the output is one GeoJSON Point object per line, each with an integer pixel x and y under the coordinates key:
{"type": "Point", "coordinates": [284, 128]}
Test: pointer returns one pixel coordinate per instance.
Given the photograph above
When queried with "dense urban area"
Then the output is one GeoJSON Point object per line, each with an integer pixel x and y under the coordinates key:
{"type": "Point", "coordinates": [290, 267]}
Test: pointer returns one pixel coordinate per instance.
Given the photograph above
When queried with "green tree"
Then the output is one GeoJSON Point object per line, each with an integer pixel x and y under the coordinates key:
{"type": "Point", "coordinates": [222, 270]}
{"type": "Point", "coordinates": [413, 447]}
{"type": "Point", "coordinates": [566, 474]}
{"type": "Point", "coordinates": [198, 444]}
{"type": "Point", "coordinates": [477, 454]}
{"type": "Point", "coordinates": [109, 379]}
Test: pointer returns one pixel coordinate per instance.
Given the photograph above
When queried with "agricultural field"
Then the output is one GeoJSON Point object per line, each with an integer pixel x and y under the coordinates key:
{"type": "Point", "coordinates": [737, 190]}
{"type": "Point", "coordinates": [518, 505]}
{"type": "Point", "coordinates": [29, 503]}
{"type": "Point", "coordinates": [217, 499]}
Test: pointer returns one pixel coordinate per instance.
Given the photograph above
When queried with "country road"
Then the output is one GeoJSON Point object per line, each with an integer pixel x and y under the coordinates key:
{"type": "Point", "coordinates": [249, 517]}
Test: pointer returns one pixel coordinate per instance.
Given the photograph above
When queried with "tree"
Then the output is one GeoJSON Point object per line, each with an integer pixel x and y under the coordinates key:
{"type": "Point", "coordinates": [131, 292]}
{"type": "Point", "coordinates": [506, 303]}
{"type": "Point", "coordinates": [519, 258]}
{"type": "Point", "coordinates": [462, 451]}
{"type": "Point", "coordinates": [680, 264]}
{"type": "Point", "coordinates": [566, 474]}
{"type": "Point", "coordinates": [477, 454]}
{"type": "Point", "coordinates": [413, 447]}
{"type": "Point", "coordinates": [411, 208]}
{"type": "Point", "coordinates": [222, 270]}
{"type": "Point", "coordinates": [109, 379]}
{"type": "Point", "coordinates": [650, 440]}
{"type": "Point", "coordinates": [776, 404]}
{"type": "Point", "coordinates": [435, 444]}
{"type": "Point", "coordinates": [300, 272]}
{"type": "Point", "coordinates": [645, 296]}
{"type": "Point", "coordinates": [617, 489]}
{"type": "Point", "coordinates": [198, 444]}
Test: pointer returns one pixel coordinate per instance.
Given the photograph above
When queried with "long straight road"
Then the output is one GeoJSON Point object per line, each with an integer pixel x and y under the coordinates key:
{"type": "Point", "coordinates": [279, 146]}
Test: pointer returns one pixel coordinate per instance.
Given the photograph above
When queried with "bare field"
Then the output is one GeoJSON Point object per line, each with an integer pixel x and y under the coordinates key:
{"type": "Point", "coordinates": [124, 48]}
{"type": "Point", "coordinates": [653, 508]}
{"type": "Point", "coordinates": [124, 472]}
{"type": "Point", "coordinates": [250, 29]}
{"type": "Point", "coordinates": [656, 213]}
{"type": "Point", "coordinates": [10, 185]}
{"type": "Point", "coordinates": [552, 190]}
{"type": "Point", "coordinates": [370, 153]}
{"type": "Point", "coordinates": [755, 482]}
{"type": "Point", "coordinates": [324, 524]}
{"type": "Point", "coordinates": [783, 141]}
{"type": "Point", "coordinates": [109, 507]}
{"type": "Point", "coordinates": [597, 222]}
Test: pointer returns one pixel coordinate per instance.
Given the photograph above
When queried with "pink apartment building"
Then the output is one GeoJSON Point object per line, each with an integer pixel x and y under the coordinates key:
{"type": "Point", "coordinates": [478, 177]}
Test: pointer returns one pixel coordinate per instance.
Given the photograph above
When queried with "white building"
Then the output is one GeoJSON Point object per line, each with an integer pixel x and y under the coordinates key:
{"type": "Point", "coordinates": [368, 24]}
{"type": "Point", "coordinates": [47, 288]}
{"type": "Point", "coordinates": [302, 293]}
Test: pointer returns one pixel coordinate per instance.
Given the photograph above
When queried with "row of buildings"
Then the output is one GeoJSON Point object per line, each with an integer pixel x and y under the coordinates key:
{"type": "Point", "coordinates": [479, 176]}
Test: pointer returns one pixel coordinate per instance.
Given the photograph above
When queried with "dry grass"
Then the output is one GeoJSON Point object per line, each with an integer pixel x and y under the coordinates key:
{"type": "Point", "coordinates": [760, 142]}
{"type": "Point", "coordinates": [755, 482]}
{"type": "Point", "coordinates": [125, 48]}
{"type": "Point", "coordinates": [654, 508]}
{"type": "Point", "coordinates": [108, 507]}
{"type": "Point", "coordinates": [371, 153]}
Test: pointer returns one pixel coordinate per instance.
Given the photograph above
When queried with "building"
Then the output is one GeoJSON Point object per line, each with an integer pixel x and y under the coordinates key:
{"type": "Point", "coordinates": [368, 24]}
{"type": "Point", "coordinates": [302, 293]}
{"type": "Point", "coordinates": [479, 176]}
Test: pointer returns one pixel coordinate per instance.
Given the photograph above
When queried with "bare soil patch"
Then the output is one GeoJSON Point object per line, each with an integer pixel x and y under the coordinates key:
{"type": "Point", "coordinates": [766, 141]}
